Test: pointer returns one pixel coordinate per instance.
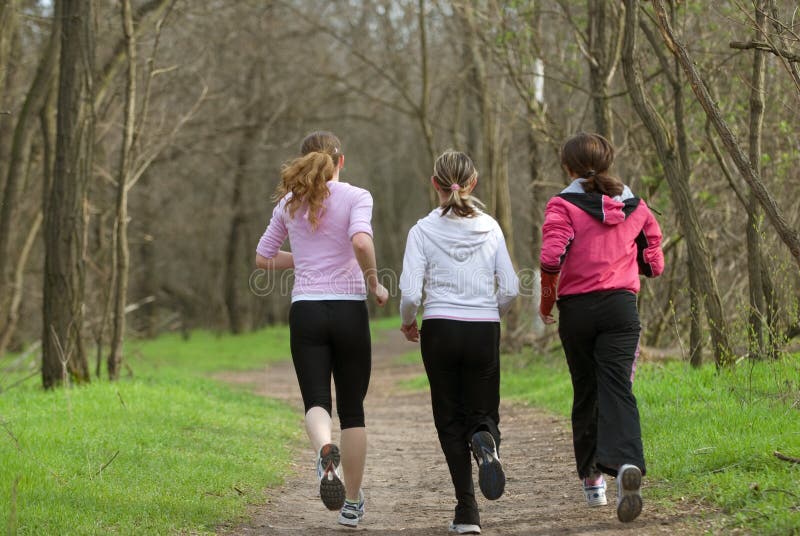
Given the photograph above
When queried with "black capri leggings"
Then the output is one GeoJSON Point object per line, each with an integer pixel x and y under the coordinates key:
{"type": "Point", "coordinates": [332, 337]}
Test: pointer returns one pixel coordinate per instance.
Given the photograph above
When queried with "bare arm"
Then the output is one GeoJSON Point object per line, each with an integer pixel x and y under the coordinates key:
{"type": "Point", "coordinates": [282, 261]}
{"type": "Point", "coordinates": [364, 250]}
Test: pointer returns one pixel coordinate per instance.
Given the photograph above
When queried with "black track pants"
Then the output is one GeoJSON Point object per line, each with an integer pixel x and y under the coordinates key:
{"type": "Point", "coordinates": [600, 335]}
{"type": "Point", "coordinates": [332, 338]}
{"type": "Point", "coordinates": [462, 360]}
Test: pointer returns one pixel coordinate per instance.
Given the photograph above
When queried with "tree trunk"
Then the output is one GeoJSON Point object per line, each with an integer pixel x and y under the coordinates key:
{"type": "Point", "coordinates": [233, 272]}
{"type": "Point", "coordinates": [125, 159]}
{"type": "Point", "coordinates": [789, 236]}
{"type": "Point", "coordinates": [495, 162]}
{"type": "Point", "coordinates": [425, 95]}
{"type": "Point", "coordinates": [17, 287]}
{"type": "Point", "coordinates": [695, 319]}
{"type": "Point", "coordinates": [681, 139]}
{"type": "Point", "coordinates": [678, 179]}
{"type": "Point", "coordinates": [21, 147]}
{"type": "Point", "coordinates": [106, 75]}
{"type": "Point", "coordinates": [149, 282]}
{"type": "Point", "coordinates": [755, 334]}
{"type": "Point", "coordinates": [8, 31]}
{"type": "Point", "coordinates": [64, 273]}
{"type": "Point", "coordinates": [598, 43]}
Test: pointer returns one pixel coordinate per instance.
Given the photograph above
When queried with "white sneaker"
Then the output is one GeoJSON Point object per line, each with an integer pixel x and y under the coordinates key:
{"type": "Point", "coordinates": [464, 528]}
{"type": "Point", "coordinates": [352, 513]}
{"type": "Point", "coordinates": [595, 494]}
{"type": "Point", "coordinates": [331, 488]}
{"type": "Point", "coordinates": [629, 497]}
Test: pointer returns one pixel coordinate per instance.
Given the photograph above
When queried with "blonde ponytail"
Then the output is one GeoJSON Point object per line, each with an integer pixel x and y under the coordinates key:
{"type": "Point", "coordinates": [307, 176]}
{"type": "Point", "coordinates": [454, 172]}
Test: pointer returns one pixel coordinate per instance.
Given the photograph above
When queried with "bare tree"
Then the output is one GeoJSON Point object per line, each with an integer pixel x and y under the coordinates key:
{"type": "Point", "coordinates": [21, 146]}
{"type": "Point", "coordinates": [754, 214]}
{"type": "Point", "coordinates": [122, 254]}
{"type": "Point", "coordinates": [62, 321]}
{"type": "Point", "coordinates": [677, 176]}
{"type": "Point", "coordinates": [8, 29]}
{"type": "Point", "coordinates": [601, 44]}
{"type": "Point", "coordinates": [789, 236]}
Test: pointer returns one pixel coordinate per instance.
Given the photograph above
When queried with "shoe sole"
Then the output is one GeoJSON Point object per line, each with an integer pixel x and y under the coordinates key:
{"type": "Point", "coordinates": [491, 478]}
{"type": "Point", "coordinates": [629, 504]}
{"type": "Point", "coordinates": [331, 488]}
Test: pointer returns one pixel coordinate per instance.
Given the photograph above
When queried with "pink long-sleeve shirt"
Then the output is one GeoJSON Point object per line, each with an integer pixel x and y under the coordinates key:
{"type": "Point", "coordinates": [599, 243]}
{"type": "Point", "coordinates": [325, 266]}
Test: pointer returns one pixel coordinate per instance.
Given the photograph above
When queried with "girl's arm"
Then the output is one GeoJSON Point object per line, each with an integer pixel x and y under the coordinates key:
{"type": "Point", "coordinates": [364, 250]}
{"type": "Point", "coordinates": [268, 253]}
{"type": "Point", "coordinates": [650, 256]}
{"type": "Point", "coordinates": [360, 233]}
{"type": "Point", "coordinates": [283, 260]}
{"type": "Point", "coordinates": [507, 280]}
{"type": "Point", "coordinates": [412, 278]}
{"type": "Point", "coordinates": [557, 233]}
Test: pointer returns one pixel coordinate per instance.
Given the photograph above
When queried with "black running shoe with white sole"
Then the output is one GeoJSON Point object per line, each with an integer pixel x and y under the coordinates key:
{"type": "Point", "coordinates": [491, 478]}
{"type": "Point", "coordinates": [331, 487]}
{"type": "Point", "coordinates": [629, 497]}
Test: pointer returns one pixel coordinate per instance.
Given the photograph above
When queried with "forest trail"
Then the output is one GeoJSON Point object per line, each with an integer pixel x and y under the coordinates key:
{"type": "Point", "coordinates": [407, 485]}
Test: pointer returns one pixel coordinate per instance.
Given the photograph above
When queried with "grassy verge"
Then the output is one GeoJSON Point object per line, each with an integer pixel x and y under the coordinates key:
{"type": "Point", "coordinates": [164, 451]}
{"type": "Point", "coordinates": [707, 435]}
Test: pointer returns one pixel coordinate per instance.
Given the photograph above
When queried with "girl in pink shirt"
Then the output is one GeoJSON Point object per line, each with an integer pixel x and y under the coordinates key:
{"type": "Point", "coordinates": [328, 225]}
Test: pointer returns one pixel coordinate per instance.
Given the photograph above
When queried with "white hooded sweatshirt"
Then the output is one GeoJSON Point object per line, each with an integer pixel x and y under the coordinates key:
{"type": "Point", "coordinates": [464, 266]}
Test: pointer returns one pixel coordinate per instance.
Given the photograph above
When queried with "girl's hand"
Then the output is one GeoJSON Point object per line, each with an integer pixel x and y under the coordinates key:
{"type": "Point", "coordinates": [381, 295]}
{"type": "Point", "coordinates": [547, 319]}
{"type": "Point", "coordinates": [411, 332]}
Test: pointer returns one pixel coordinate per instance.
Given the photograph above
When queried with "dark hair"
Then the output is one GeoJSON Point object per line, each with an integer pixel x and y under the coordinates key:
{"type": "Point", "coordinates": [454, 171]}
{"type": "Point", "coordinates": [307, 176]}
{"type": "Point", "coordinates": [589, 156]}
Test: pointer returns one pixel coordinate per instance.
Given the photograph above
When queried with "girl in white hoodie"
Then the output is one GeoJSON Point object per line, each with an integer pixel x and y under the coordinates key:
{"type": "Point", "coordinates": [458, 256]}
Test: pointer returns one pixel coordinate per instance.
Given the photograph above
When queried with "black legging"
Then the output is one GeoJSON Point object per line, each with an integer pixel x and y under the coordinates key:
{"type": "Point", "coordinates": [600, 335]}
{"type": "Point", "coordinates": [462, 360]}
{"type": "Point", "coordinates": [332, 337]}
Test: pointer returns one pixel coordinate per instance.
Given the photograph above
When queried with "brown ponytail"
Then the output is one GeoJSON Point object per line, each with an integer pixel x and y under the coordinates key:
{"type": "Point", "coordinates": [454, 172]}
{"type": "Point", "coordinates": [307, 176]}
{"type": "Point", "coordinates": [589, 156]}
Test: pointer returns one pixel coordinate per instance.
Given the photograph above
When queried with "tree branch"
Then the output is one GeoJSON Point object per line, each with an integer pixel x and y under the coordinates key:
{"type": "Point", "coordinates": [760, 45]}
{"type": "Point", "coordinates": [789, 236]}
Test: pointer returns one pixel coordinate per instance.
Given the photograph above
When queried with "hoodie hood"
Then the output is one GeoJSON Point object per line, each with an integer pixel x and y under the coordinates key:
{"type": "Point", "coordinates": [457, 236]}
{"type": "Point", "coordinates": [609, 210]}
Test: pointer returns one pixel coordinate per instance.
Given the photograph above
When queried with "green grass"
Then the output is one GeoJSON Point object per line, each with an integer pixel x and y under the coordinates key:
{"type": "Point", "coordinates": [412, 357]}
{"type": "Point", "coordinates": [385, 323]}
{"type": "Point", "coordinates": [164, 451]}
{"type": "Point", "coordinates": [707, 435]}
{"type": "Point", "coordinates": [206, 351]}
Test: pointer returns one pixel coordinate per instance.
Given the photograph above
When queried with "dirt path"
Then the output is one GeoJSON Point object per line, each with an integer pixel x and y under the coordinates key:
{"type": "Point", "coordinates": [407, 485]}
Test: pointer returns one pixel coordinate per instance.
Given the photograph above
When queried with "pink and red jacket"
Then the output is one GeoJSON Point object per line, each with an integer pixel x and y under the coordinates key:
{"type": "Point", "coordinates": [599, 243]}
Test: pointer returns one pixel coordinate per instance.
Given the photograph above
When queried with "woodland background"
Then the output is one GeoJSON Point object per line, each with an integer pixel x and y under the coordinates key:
{"type": "Point", "coordinates": [140, 142]}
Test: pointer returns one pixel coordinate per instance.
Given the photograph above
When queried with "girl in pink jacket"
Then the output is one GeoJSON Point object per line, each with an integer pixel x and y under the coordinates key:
{"type": "Point", "coordinates": [597, 239]}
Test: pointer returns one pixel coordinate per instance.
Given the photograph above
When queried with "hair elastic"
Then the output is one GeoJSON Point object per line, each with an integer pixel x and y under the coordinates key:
{"type": "Point", "coordinates": [455, 187]}
{"type": "Point", "coordinates": [591, 173]}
